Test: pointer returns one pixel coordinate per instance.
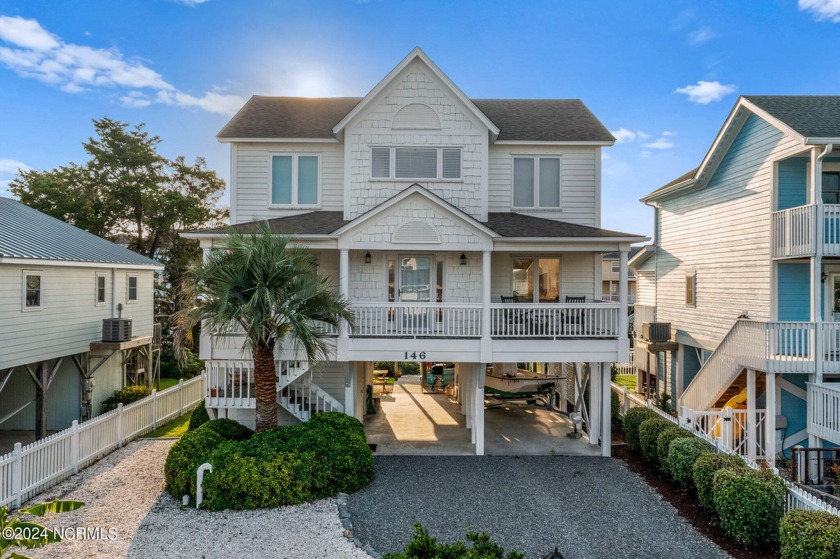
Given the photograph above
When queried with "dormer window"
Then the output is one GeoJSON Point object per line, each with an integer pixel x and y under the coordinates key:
{"type": "Point", "coordinates": [295, 180]}
{"type": "Point", "coordinates": [415, 163]}
{"type": "Point", "coordinates": [536, 182]}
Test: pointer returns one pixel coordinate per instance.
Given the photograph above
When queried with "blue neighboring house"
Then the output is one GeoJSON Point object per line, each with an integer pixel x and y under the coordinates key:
{"type": "Point", "coordinates": [745, 268]}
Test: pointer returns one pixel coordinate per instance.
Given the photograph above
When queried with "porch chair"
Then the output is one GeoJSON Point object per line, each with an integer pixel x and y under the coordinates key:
{"type": "Point", "coordinates": [572, 319]}
{"type": "Point", "coordinates": [513, 321]}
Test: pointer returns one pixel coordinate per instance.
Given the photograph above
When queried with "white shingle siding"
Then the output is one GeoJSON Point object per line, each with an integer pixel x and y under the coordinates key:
{"type": "Point", "coordinates": [722, 233]}
{"type": "Point", "coordinates": [69, 320]}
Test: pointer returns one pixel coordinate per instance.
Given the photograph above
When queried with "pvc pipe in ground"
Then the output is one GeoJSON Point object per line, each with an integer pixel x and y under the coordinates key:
{"type": "Point", "coordinates": [199, 492]}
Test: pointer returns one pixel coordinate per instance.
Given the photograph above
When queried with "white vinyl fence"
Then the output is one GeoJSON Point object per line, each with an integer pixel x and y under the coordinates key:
{"type": "Point", "coordinates": [33, 468]}
{"type": "Point", "coordinates": [797, 498]}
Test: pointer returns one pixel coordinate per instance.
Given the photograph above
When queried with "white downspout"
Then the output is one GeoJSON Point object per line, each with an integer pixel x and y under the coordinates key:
{"type": "Point", "coordinates": [818, 230]}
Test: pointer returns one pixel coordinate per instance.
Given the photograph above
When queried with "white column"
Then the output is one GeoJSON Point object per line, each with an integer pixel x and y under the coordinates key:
{"type": "Point", "coordinates": [478, 431]}
{"type": "Point", "coordinates": [623, 320]}
{"type": "Point", "coordinates": [468, 399]}
{"type": "Point", "coordinates": [752, 432]}
{"type": "Point", "coordinates": [485, 294]}
{"type": "Point", "coordinates": [770, 418]}
{"type": "Point", "coordinates": [817, 227]}
{"type": "Point", "coordinates": [594, 402]}
{"type": "Point", "coordinates": [344, 284]}
{"type": "Point", "coordinates": [606, 410]}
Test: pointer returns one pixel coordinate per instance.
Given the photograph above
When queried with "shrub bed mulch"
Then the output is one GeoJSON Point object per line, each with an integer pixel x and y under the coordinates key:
{"type": "Point", "coordinates": [683, 500]}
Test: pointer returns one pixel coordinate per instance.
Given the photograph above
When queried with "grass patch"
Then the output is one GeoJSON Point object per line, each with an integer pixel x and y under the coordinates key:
{"type": "Point", "coordinates": [626, 380]}
{"type": "Point", "coordinates": [174, 428]}
{"type": "Point", "coordinates": [166, 382]}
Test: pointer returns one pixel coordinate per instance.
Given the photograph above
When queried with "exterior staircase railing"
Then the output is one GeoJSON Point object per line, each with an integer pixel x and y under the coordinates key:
{"type": "Point", "coordinates": [824, 411]}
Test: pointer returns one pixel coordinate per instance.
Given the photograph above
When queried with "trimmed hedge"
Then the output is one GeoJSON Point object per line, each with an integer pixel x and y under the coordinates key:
{"type": "Point", "coordinates": [663, 445]}
{"type": "Point", "coordinates": [750, 505]}
{"type": "Point", "coordinates": [682, 454]}
{"type": "Point", "coordinates": [229, 429]}
{"type": "Point", "coordinates": [649, 431]}
{"type": "Point", "coordinates": [191, 451]}
{"type": "Point", "coordinates": [810, 534]}
{"type": "Point", "coordinates": [703, 471]}
{"type": "Point", "coordinates": [127, 395]}
{"type": "Point", "coordinates": [632, 420]}
{"type": "Point", "coordinates": [199, 417]}
{"type": "Point", "coordinates": [290, 465]}
{"type": "Point", "coordinates": [424, 546]}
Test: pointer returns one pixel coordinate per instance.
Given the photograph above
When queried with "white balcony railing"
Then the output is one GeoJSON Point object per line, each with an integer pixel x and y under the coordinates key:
{"type": "Point", "coordinates": [793, 236]}
{"type": "Point", "coordinates": [824, 411]}
{"type": "Point", "coordinates": [613, 298]}
{"type": "Point", "coordinates": [427, 320]}
{"type": "Point", "coordinates": [559, 320]}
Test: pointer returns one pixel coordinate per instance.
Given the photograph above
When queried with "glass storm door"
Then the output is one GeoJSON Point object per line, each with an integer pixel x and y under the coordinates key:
{"type": "Point", "coordinates": [415, 278]}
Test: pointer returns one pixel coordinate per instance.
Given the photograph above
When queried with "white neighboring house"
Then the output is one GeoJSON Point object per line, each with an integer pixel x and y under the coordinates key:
{"type": "Point", "coordinates": [745, 268]}
{"type": "Point", "coordinates": [57, 284]}
{"type": "Point", "coordinates": [461, 230]}
{"type": "Point", "coordinates": [610, 270]}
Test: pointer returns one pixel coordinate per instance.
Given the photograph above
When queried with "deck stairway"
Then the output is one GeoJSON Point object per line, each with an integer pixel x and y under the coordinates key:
{"type": "Point", "coordinates": [298, 394]}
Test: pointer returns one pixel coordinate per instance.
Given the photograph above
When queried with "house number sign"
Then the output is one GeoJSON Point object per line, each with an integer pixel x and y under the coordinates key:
{"type": "Point", "coordinates": [414, 355]}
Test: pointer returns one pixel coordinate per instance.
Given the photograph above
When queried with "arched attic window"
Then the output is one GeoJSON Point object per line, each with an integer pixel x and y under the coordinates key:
{"type": "Point", "coordinates": [416, 116]}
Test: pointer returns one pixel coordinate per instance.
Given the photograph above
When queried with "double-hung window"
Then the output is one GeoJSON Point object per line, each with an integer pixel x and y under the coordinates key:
{"type": "Point", "coordinates": [415, 163]}
{"type": "Point", "coordinates": [100, 288]}
{"type": "Point", "coordinates": [295, 180]}
{"type": "Point", "coordinates": [536, 182]}
{"type": "Point", "coordinates": [31, 291]}
{"type": "Point", "coordinates": [131, 285]}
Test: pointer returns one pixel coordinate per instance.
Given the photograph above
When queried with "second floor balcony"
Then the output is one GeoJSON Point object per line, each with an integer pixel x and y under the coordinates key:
{"type": "Point", "coordinates": [801, 232]}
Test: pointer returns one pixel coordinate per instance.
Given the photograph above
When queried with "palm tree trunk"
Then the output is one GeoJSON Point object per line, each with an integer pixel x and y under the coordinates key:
{"type": "Point", "coordinates": [265, 387]}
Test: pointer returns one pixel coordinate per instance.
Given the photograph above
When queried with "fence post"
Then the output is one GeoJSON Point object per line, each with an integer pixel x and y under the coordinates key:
{"type": "Point", "coordinates": [726, 428]}
{"type": "Point", "coordinates": [74, 445]}
{"type": "Point", "coordinates": [119, 425]}
{"type": "Point", "coordinates": [154, 409]}
{"type": "Point", "coordinates": [180, 397]}
{"type": "Point", "coordinates": [625, 402]}
{"type": "Point", "coordinates": [17, 474]}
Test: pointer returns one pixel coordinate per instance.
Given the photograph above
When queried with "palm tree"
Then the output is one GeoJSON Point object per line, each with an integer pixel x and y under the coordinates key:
{"type": "Point", "coordinates": [273, 291]}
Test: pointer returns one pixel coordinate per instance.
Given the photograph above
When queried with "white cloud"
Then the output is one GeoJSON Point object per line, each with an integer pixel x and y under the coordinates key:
{"type": "Point", "coordinates": [700, 36]}
{"type": "Point", "coordinates": [642, 136]}
{"type": "Point", "coordinates": [191, 3]}
{"type": "Point", "coordinates": [660, 143]}
{"type": "Point", "coordinates": [822, 10]}
{"type": "Point", "coordinates": [36, 53]}
{"type": "Point", "coordinates": [622, 135]}
{"type": "Point", "coordinates": [12, 167]}
{"type": "Point", "coordinates": [706, 92]}
{"type": "Point", "coordinates": [669, 133]}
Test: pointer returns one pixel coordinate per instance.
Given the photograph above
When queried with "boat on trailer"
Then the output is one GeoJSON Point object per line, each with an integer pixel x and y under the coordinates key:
{"type": "Point", "coordinates": [519, 383]}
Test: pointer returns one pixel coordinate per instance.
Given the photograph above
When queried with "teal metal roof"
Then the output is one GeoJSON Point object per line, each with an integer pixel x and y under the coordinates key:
{"type": "Point", "coordinates": [26, 233]}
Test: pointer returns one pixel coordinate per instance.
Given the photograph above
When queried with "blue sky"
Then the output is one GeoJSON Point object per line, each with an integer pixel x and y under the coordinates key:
{"type": "Point", "coordinates": [661, 75]}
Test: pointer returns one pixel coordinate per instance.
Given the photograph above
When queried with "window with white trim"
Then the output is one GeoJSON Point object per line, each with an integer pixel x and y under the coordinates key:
{"type": "Point", "coordinates": [415, 163]}
{"type": "Point", "coordinates": [100, 288]}
{"type": "Point", "coordinates": [295, 180]}
{"type": "Point", "coordinates": [131, 287]}
{"type": "Point", "coordinates": [536, 182]}
{"type": "Point", "coordinates": [31, 291]}
{"type": "Point", "coordinates": [615, 266]}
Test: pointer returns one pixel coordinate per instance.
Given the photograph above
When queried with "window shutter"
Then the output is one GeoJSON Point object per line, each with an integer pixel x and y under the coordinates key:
{"type": "Point", "coordinates": [380, 163]}
{"type": "Point", "coordinates": [451, 163]}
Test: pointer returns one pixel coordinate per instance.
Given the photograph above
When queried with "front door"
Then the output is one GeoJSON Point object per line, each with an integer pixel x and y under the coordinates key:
{"type": "Point", "coordinates": [415, 279]}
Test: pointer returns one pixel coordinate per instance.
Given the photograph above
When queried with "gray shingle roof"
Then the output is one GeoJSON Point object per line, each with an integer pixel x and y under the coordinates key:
{"type": "Point", "coordinates": [506, 224]}
{"type": "Point", "coordinates": [814, 116]}
{"type": "Point", "coordinates": [614, 255]}
{"type": "Point", "coordinates": [518, 119]}
{"type": "Point", "coordinates": [678, 180]}
{"type": "Point", "coordinates": [30, 234]}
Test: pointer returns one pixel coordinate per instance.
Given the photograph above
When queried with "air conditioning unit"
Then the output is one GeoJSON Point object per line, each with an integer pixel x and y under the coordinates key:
{"type": "Point", "coordinates": [116, 329]}
{"type": "Point", "coordinates": [656, 331]}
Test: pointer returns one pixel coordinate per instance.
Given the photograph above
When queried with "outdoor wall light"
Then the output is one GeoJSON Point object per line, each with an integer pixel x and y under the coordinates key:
{"type": "Point", "coordinates": [367, 257]}
{"type": "Point", "coordinates": [463, 259]}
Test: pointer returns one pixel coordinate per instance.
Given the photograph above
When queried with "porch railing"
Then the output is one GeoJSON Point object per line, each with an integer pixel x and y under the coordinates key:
{"type": "Point", "coordinates": [429, 320]}
{"type": "Point", "coordinates": [824, 411]}
{"type": "Point", "coordinates": [230, 384]}
{"type": "Point", "coordinates": [560, 320]}
{"type": "Point", "coordinates": [729, 427]}
{"type": "Point", "coordinates": [613, 298]}
{"type": "Point", "coordinates": [793, 236]}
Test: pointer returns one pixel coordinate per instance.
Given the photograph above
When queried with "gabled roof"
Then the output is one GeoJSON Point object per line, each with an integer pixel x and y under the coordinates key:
{"type": "Point", "coordinates": [516, 225]}
{"type": "Point", "coordinates": [811, 116]}
{"type": "Point", "coordinates": [27, 234]}
{"type": "Point", "coordinates": [416, 54]}
{"type": "Point", "coordinates": [682, 181]}
{"type": "Point", "coordinates": [288, 117]}
{"type": "Point", "coordinates": [310, 223]}
{"type": "Point", "coordinates": [544, 120]}
{"type": "Point", "coordinates": [614, 255]}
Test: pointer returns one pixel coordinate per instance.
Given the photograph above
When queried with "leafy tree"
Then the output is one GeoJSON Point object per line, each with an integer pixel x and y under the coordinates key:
{"type": "Point", "coordinates": [273, 291]}
{"type": "Point", "coordinates": [130, 194]}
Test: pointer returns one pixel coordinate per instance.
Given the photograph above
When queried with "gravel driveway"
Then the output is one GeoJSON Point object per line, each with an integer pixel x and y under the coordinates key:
{"type": "Point", "coordinates": [124, 491]}
{"type": "Point", "coordinates": [590, 507]}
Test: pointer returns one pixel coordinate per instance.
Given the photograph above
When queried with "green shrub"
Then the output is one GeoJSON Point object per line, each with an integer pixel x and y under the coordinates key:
{"type": "Point", "coordinates": [649, 431]}
{"type": "Point", "coordinates": [663, 445]}
{"type": "Point", "coordinates": [682, 454]}
{"type": "Point", "coordinates": [809, 534]}
{"type": "Point", "coordinates": [423, 546]}
{"type": "Point", "coordinates": [229, 429]}
{"type": "Point", "coordinates": [188, 366]}
{"type": "Point", "coordinates": [191, 451]}
{"type": "Point", "coordinates": [615, 407]}
{"type": "Point", "coordinates": [290, 464]}
{"type": "Point", "coordinates": [125, 396]}
{"type": "Point", "coordinates": [704, 470]}
{"type": "Point", "coordinates": [199, 417]}
{"type": "Point", "coordinates": [632, 420]}
{"type": "Point", "coordinates": [750, 505]}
